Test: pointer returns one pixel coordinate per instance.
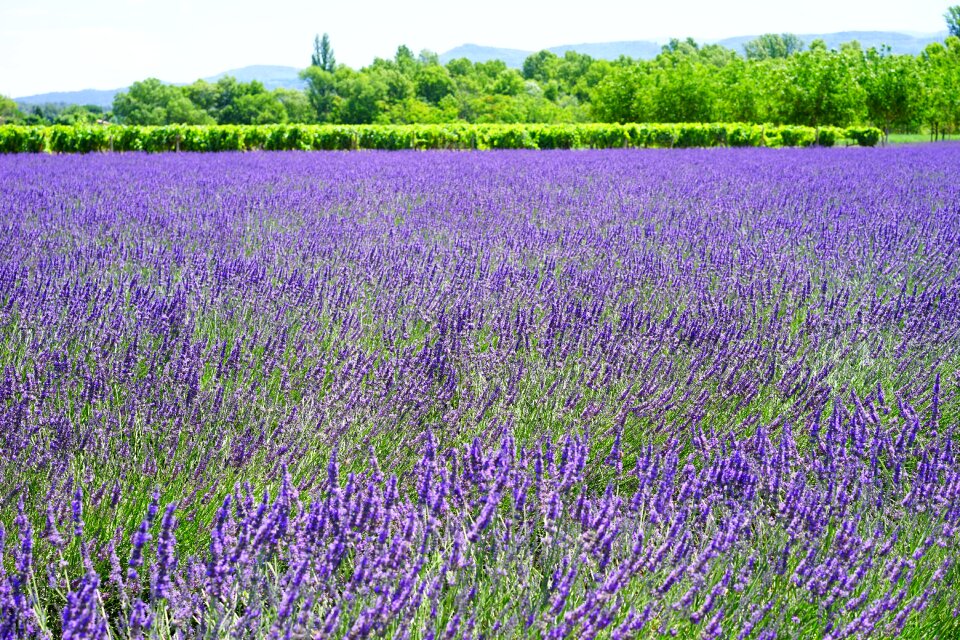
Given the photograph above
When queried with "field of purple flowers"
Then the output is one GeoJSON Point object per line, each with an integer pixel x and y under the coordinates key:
{"type": "Point", "coordinates": [589, 394]}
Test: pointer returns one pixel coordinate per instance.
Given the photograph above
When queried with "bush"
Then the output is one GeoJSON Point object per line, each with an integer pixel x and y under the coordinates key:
{"type": "Point", "coordinates": [91, 138]}
{"type": "Point", "coordinates": [864, 136]}
{"type": "Point", "coordinates": [19, 139]}
{"type": "Point", "coordinates": [557, 137]}
{"type": "Point", "coordinates": [795, 136]}
{"type": "Point", "coordinates": [744, 135]}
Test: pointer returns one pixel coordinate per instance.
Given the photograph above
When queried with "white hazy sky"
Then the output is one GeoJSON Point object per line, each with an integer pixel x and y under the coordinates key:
{"type": "Point", "coordinates": [64, 45]}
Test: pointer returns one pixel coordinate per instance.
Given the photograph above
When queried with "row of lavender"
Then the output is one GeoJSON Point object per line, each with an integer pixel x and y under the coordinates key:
{"type": "Point", "coordinates": [607, 393]}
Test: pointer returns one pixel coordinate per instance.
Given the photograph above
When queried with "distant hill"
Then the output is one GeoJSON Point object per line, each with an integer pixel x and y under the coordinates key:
{"type": "Point", "coordinates": [477, 53]}
{"type": "Point", "coordinates": [272, 77]}
{"type": "Point", "coordinates": [515, 57]}
{"type": "Point", "coordinates": [98, 97]}
{"type": "Point", "coordinates": [646, 49]}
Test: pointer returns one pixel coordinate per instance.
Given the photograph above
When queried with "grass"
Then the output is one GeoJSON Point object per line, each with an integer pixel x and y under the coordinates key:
{"type": "Point", "coordinates": [917, 138]}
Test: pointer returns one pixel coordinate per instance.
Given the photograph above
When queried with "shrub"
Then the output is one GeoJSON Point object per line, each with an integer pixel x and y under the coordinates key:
{"type": "Point", "coordinates": [864, 136]}
{"type": "Point", "coordinates": [87, 138]}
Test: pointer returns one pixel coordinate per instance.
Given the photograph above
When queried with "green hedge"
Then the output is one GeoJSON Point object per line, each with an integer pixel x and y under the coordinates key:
{"type": "Point", "coordinates": [87, 139]}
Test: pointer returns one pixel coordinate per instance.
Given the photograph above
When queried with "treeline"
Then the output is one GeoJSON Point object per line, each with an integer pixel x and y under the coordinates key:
{"type": "Point", "coordinates": [88, 139]}
{"type": "Point", "coordinates": [778, 80]}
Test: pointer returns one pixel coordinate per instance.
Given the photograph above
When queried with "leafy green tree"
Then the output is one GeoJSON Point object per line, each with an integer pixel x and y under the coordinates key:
{"type": "Point", "coordinates": [413, 111]}
{"type": "Point", "coordinates": [323, 54]}
{"type": "Point", "coordinates": [321, 93]}
{"type": "Point", "coordinates": [74, 114]}
{"type": "Point", "coordinates": [9, 112]}
{"type": "Point", "coordinates": [773, 45]}
{"type": "Point", "coordinates": [296, 105]}
{"type": "Point", "coordinates": [940, 74]}
{"type": "Point", "coordinates": [509, 83]}
{"type": "Point", "coordinates": [738, 94]}
{"type": "Point", "coordinates": [892, 89]}
{"type": "Point", "coordinates": [683, 94]}
{"type": "Point", "coordinates": [405, 60]}
{"type": "Point", "coordinates": [399, 86]}
{"type": "Point", "coordinates": [622, 95]}
{"type": "Point", "coordinates": [434, 83]}
{"type": "Point", "coordinates": [819, 88]}
{"type": "Point", "coordinates": [151, 102]}
{"type": "Point", "coordinates": [460, 67]}
{"type": "Point", "coordinates": [363, 96]}
{"type": "Point", "coordinates": [542, 66]}
{"type": "Point", "coordinates": [257, 108]}
{"type": "Point", "coordinates": [580, 75]}
{"type": "Point", "coordinates": [427, 58]}
{"type": "Point", "coordinates": [952, 16]}
{"type": "Point", "coordinates": [683, 80]}
{"type": "Point", "coordinates": [205, 95]}
{"type": "Point", "coordinates": [679, 48]}
{"type": "Point", "coordinates": [242, 102]}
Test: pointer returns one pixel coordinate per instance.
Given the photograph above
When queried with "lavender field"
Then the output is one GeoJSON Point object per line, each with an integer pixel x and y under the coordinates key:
{"type": "Point", "coordinates": [575, 394]}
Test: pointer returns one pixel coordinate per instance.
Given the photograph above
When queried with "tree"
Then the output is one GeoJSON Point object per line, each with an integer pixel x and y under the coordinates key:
{"type": "Point", "coordinates": [74, 114]}
{"type": "Point", "coordinates": [405, 60]}
{"type": "Point", "coordinates": [434, 83]}
{"type": "Point", "coordinates": [361, 96]}
{"type": "Point", "coordinates": [296, 104]}
{"type": "Point", "coordinates": [541, 66]}
{"type": "Point", "coordinates": [940, 72]}
{"type": "Point", "coordinates": [151, 102]}
{"type": "Point", "coordinates": [772, 45]}
{"type": "Point", "coordinates": [622, 95]}
{"type": "Point", "coordinates": [244, 102]}
{"type": "Point", "coordinates": [739, 91]}
{"type": "Point", "coordinates": [321, 92]}
{"type": "Point", "coordinates": [683, 94]}
{"type": "Point", "coordinates": [9, 112]}
{"type": "Point", "coordinates": [892, 89]}
{"type": "Point", "coordinates": [820, 88]}
{"type": "Point", "coordinates": [323, 54]}
{"type": "Point", "coordinates": [952, 17]}
{"type": "Point", "coordinates": [508, 83]}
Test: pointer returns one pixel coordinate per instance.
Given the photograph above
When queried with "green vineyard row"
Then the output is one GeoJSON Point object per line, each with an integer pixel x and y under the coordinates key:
{"type": "Point", "coordinates": [94, 138]}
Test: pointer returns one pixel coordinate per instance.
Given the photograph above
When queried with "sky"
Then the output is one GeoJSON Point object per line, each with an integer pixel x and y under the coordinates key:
{"type": "Point", "coordinates": [67, 45]}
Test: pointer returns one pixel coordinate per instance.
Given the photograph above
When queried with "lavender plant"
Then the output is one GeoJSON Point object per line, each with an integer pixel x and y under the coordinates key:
{"type": "Point", "coordinates": [591, 394]}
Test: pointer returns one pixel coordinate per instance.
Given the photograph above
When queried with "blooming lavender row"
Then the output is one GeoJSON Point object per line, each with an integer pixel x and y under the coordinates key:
{"type": "Point", "coordinates": [583, 394]}
{"type": "Point", "coordinates": [735, 537]}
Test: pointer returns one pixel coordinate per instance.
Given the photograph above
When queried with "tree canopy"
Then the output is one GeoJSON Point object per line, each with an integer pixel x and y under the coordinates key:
{"type": "Point", "coordinates": [776, 79]}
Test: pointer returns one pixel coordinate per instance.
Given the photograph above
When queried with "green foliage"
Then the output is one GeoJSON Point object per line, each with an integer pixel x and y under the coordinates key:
{"type": "Point", "coordinates": [952, 16]}
{"type": "Point", "coordinates": [542, 66]}
{"type": "Point", "coordinates": [151, 102]}
{"type": "Point", "coordinates": [296, 105]}
{"type": "Point", "coordinates": [893, 90]}
{"type": "Point", "coordinates": [864, 136]}
{"type": "Point", "coordinates": [794, 136]}
{"type": "Point", "coordinates": [620, 95]}
{"type": "Point", "coordinates": [434, 83]}
{"type": "Point", "coordinates": [78, 139]}
{"type": "Point", "coordinates": [321, 93]}
{"type": "Point", "coordinates": [9, 113]}
{"type": "Point", "coordinates": [819, 87]}
{"type": "Point", "coordinates": [87, 139]}
{"type": "Point", "coordinates": [744, 135]}
{"type": "Point", "coordinates": [940, 78]}
{"type": "Point", "coordinates": [776, 82]}
{"type": "Point", "coordinates": [22, 139]}
{"type": "Point", "coordinates": [323, 54]}
{"type": "Point", "coordinates": [772, 45]}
